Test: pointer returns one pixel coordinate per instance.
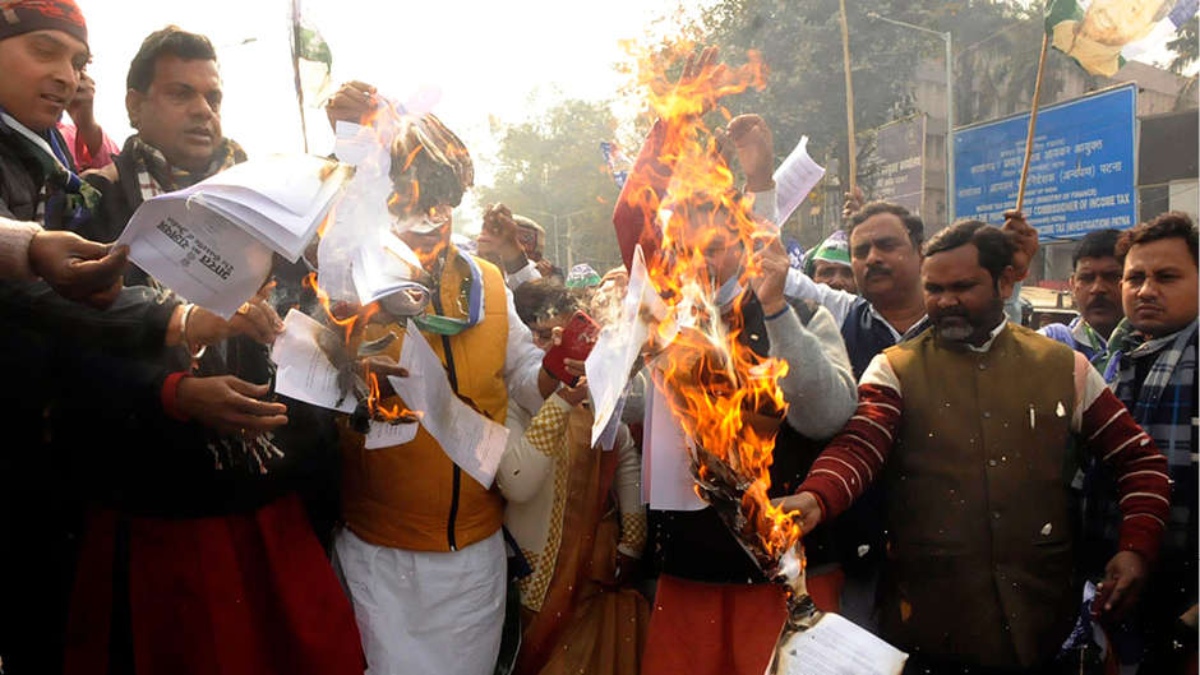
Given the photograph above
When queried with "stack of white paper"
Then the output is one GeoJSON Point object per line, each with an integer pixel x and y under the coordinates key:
{"type": "Point", "coordinates": [212, 243]}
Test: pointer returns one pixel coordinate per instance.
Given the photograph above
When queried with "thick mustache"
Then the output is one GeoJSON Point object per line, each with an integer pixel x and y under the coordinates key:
{"type": "Point", "coordinates": [1101, 303]}
{"type": "Point", "coordinates": [878, 271]}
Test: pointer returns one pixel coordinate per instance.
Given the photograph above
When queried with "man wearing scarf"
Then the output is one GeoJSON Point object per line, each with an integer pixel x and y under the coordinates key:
{"type": "Point", "coordinates": [1152, 369]}
{"type": "Point", "coordinates": [197, 555]}
{"type": "Point", "coordinates": [47, 340]}
{"type": "Point", "coordinates": [44, 48]}
{"type": "Point", "coordinates": [422, 552]}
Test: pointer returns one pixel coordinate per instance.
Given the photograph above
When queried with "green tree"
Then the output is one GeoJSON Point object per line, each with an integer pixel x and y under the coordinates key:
{"type": "Point", "coordinates": [801, 43]}
{"type": "Point", "coordinates": [551, 169]}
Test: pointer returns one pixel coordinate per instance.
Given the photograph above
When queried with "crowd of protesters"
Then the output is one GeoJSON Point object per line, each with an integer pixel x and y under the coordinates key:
{"type": "Point", "coordinates": [988, 498]}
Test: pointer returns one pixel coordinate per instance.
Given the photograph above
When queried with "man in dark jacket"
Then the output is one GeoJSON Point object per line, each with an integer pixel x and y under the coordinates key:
{"type": "Point", "coordinates": [218, 519]}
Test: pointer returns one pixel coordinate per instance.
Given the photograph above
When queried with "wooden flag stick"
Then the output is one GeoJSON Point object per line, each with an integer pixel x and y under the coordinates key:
{"type": "Point", "coordinates": [853, 154]}
{"type": "Point", "coordinates": [1037, 93]}
{"type": "Point", "coordinates": [296, 70]}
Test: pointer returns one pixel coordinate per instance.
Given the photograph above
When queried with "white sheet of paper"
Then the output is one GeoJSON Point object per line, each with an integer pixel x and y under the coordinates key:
{"type": "Point", "coordinates": [384, 435]}
{"type": "Point", "coordinates": [382, 269]}
{"type": "Point", "coordinates": [667, 481]}
{"type": "Point", "coordinates": [207, 259]}
{"type": "Point", "coordinates": [795, 178]}
{"type": "Point", "coordinates": [472, 441]}
{"type": "Point", "coordinates": [837, 646]}
{"type": "Point", "coordinates": [293, 183]}
{"type": "Point", "coordinates": [303, 371]}
{"type": "Point", "coordinates": [619, 347]}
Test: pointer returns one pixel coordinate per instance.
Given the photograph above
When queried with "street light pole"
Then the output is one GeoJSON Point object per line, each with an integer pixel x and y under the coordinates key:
{"type": "Point", "coordinates": [948, 39]}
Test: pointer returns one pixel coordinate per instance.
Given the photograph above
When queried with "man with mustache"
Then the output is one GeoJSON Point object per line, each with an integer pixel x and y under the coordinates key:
{"type": "Point", "coordinates": [197, 551]}
{"type": "Point", "coordinates": [885, 257]}
{"type": "Point", "coordinates": [1152, 369]}
{"type": "Point", "coordinates": [973, 453]}
{"type": "Point", "coordinates": [1095, 285]}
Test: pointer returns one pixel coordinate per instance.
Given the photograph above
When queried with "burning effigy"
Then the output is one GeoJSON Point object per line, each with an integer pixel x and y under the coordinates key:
{"type": "Point", "coordinates": [410, 172]}
{"type": "Point", "coordinates": [698, 238]}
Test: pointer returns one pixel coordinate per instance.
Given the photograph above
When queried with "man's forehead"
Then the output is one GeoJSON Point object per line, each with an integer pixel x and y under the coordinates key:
{"type": "Point", "coordinates": [960, 261]}
{"type": "Point", "coordinates": [1160, 253]}
{"type": "Point", "coordinates": [62, 39]}
{"type": "Point", "coordinates": [172, 69]}
{"type": "Point", "coordinates": [1098, 262]}
{"type": "Point", "coordinates": [878, 227]}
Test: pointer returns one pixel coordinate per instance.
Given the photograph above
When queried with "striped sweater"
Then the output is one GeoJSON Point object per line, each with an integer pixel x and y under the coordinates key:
{"type": "Point", "coordinates": [856, 457]}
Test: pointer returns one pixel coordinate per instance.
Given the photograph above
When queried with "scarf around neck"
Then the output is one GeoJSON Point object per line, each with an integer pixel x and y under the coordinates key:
{"type": "Point", "coordinates": [68, 199]}
{"type": "Point", "coordinates": [156, 175]}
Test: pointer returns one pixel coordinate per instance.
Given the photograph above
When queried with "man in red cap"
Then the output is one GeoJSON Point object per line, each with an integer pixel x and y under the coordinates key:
{"type": "Point", "coordinates": [43, 49]}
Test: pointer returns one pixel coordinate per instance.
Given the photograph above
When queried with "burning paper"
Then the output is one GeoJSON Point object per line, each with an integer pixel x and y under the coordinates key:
{"type": "Point", "coordinates": [722, 394]}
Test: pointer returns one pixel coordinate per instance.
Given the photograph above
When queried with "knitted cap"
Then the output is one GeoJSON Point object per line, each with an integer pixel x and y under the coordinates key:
{"type": "Point", "coordinates": [25, 16]}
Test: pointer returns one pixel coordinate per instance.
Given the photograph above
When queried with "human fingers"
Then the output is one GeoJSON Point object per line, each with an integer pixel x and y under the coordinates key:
{"type": "Point", "coordinates": [258, 320]}
{"type": "Point", "coordinates": [98, 277]}
{"type": "Point", "coordinates": [229, 404]}
{"type": "Point", "coordinates": [105, 298]}
{"type": "Point", "coordinates": [575, 367]}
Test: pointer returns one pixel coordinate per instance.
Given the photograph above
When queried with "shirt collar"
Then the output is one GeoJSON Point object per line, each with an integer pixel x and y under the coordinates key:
{"type": "Point", "coordinates": [986, 346]}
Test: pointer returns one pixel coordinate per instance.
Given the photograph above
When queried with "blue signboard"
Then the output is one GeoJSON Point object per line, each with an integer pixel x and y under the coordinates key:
{"type": "Point", "coordinates": [1081, 172]}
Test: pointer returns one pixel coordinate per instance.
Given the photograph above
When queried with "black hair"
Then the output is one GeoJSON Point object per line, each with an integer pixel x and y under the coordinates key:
{"type": "Point", "coordinates": [1172, 224]}
{"type": "Point", "coordinates": [542, 299]}
{"type": "Point", "coordinates": [912, 223]}
{"type": "Point", "coordinates": [1098, 244]}
{"type": "Point", "coordinates": [995, 249]}
{"type": "Point", "coordinates": [169, 41]}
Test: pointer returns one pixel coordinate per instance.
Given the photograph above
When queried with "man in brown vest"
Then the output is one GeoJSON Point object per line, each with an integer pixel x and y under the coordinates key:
{"type": "Point", "coordinates": [969, 425]}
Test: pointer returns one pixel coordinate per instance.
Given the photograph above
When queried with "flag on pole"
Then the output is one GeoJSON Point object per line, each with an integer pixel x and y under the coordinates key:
{"type": "Point", "coordinates": [1102, 34]}
{"type": "Point", "coordinates": [618, 164]}
{"type": "Point", "coordinates": [312, 65]}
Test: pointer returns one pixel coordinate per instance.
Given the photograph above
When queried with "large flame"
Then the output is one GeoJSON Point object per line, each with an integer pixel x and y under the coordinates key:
{"type": "Point", "coordinates": [725, 396]}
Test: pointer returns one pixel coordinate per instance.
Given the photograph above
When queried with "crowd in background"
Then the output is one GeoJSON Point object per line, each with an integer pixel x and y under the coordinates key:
{"type": "Point", "coordinates": [986, 497]}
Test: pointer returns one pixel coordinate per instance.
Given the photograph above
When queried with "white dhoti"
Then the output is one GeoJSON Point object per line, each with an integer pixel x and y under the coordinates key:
{"type": "Point", "coordinates": [424, 613]}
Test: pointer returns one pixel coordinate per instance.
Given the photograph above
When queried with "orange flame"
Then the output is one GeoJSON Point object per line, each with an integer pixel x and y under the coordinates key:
{"type": "Point", "coordinates": [352, 319]}
{"type": "Point", "coordinates": [725, 396]}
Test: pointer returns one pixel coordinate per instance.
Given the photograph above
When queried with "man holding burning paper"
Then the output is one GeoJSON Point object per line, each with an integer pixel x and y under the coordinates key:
{"type": "Point", "coordinates": [422, 551]}
{"type": "Point", "coordinates": [976, 458]}
{"type": "Point", "coordinates": [747, 384]}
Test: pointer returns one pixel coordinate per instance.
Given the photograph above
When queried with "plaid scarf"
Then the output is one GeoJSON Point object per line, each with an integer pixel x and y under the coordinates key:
{"type": "Point", "coordinates": [1156, 380]}
{"type": "Point", "coordinates": [155, 175]}
{"type": "Point", "coordinates": [68, 199]}
{"type": "Point", "coordinates": [238, 356]}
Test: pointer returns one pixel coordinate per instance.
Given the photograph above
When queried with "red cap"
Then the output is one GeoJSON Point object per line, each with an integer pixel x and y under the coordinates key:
{"type": "Point", "coordinates": [25, 16]}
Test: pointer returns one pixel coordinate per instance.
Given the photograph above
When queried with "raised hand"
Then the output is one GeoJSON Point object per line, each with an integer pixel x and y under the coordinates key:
{"type": "Point", "coordinates": [755, 147]}
{"type": "Point", "coordinates": [854, 203]}
{"type": "Point", "coordinates": [703, 79]}
{"type": "Point", "coordinates": [352, 102]}
{"type": "Point", "coordinates": [772, 264]}
{"type": "Point", "coordinates": [1025, 238]}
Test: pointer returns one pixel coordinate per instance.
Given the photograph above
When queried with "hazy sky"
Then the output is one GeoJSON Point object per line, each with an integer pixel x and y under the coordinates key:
{"type": "Point", "coordinates": [484, 58]}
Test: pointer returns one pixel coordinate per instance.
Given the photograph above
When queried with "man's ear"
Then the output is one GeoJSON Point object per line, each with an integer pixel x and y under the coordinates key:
{"type": "Point", "coordinates": [133, 104]}
{"type": "Point", "coordinates": [1008, 279]}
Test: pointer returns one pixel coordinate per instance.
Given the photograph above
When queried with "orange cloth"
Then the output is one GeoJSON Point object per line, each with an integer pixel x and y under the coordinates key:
{"type": "Point", "coordinates": [698, 628]}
